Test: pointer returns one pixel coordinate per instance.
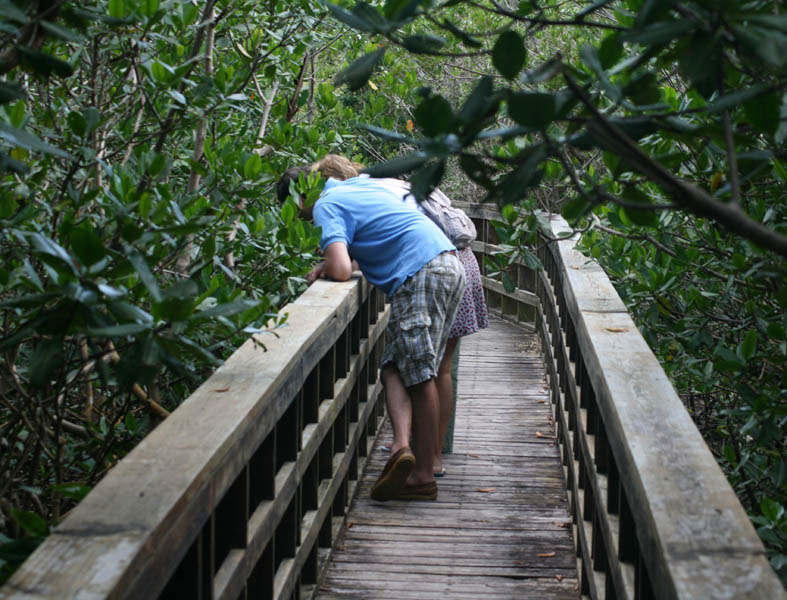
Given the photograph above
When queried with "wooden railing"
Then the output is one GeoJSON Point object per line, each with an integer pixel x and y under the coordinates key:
{"type": "Point", "coordinates": [240, 493]}
{"type": "Point", "coordinates": [654, 516]}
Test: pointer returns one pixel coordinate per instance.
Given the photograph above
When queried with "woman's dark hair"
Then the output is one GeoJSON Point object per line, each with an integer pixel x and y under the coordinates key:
{"type": "Point", "coordinates": [291, 174]}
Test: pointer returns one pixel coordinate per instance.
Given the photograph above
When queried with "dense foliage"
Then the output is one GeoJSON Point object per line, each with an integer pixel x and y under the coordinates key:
{"type": "Point", "coordinates": [140, 141]}
{"type": "Point", "coordinates": [662, 124]}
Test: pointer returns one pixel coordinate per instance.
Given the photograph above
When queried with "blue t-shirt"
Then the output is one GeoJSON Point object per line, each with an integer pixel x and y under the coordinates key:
{"type": "Point", "coordinates": [390, 240]}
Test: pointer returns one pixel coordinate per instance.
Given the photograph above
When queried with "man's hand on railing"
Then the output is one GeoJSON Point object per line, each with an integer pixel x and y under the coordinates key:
{"type": "Point", "coordinates": [316, 273]}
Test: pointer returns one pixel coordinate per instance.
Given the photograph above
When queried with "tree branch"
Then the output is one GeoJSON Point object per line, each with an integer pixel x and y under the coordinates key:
{"type": "Point", "coordinates": [689, 196]}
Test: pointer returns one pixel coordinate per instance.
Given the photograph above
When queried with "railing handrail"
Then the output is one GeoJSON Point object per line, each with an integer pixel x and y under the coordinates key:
{"type": "Point", "coordinates": [218, 455]}
{"type": "Point", "coordinates": [655, 515]}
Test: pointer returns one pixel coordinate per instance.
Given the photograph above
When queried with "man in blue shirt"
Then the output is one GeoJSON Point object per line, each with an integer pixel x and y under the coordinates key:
{"type": "Point", "coordinates": [405, 254]}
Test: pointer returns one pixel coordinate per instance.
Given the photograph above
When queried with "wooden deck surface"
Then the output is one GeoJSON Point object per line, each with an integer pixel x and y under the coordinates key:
{"type": "Point", "coordinates": [500, 527]}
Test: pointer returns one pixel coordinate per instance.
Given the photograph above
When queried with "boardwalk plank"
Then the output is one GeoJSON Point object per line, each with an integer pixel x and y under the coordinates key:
{"type": "Point", "coordinates": [500, 527]}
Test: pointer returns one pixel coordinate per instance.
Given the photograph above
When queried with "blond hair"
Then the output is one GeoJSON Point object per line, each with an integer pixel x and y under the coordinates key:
{"type": "Point", "coordinates": [338, 167]}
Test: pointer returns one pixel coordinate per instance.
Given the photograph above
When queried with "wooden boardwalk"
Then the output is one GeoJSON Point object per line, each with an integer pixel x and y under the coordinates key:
{"type": "Point", "coordinates": [500, 527]}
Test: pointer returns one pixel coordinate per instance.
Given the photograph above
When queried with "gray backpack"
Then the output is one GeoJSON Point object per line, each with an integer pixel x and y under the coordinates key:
{"type": "Point", "coordinates": [456, 225]}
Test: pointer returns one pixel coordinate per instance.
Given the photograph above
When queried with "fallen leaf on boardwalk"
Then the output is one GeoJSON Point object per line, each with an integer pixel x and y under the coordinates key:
{"type": "Point", "coordinates": [546, 555]}
{"type": "Point", "coordinates": [575, 267]}
{"type": "Point", "coordinates": [540, 401]}
{"type": "Point", "coordinates": [485, 490]}
{"type": "Point", "coordinates": [559, 577]}
{"type": "Point", "coordinates": [617, 329]}
{"type": "Point", "coordinates": [348, 524]}
{"type": "Point", "coordinates": [547, 437]}
{"type": "Point", "coordinates": [474, 456]}
{"type": "Point", "coordinates": [340, 548]}
{"type": "Point", "coordinates": [221, 390]}
{"type": "Point", "coordinates": [562, 524]}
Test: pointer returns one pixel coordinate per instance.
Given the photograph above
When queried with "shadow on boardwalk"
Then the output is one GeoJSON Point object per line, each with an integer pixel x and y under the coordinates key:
{"type": "Point", "coordinates": [500, 527]}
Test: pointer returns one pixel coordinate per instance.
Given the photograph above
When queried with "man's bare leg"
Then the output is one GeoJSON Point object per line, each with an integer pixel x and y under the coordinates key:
{"type": "Point", "coordinates": [400, 407]}
{"type": "Point", "coordinates": [425, 413]}
{"type": "Point", "coordinates": [445, 392]}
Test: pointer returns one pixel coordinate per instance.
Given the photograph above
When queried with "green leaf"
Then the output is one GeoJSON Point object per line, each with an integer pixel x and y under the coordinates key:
{"type": "Point", "coordinates": [358, 73]}
{"type": "Point", "coordinates": [351, 19]}
{"type": "Point", "coordinates": [47, 356]}
{"type": "Point", "coordinates": [772, 510]}
{"type": "Point", "coordinates": [749, 344]}
{"type": "Point", "coordinates": [8, 10]}
{"type": "Point", "coordinates": [161, 71]}
{"type": "Point", "coordinates": [252, 167]}
{"type": "Point", "coordinates": [531, 260]}
{"type": "Point", "coordinates": [31, 522]}
{"type": "Point", "coordinates": [45, 64]}
{"type": "Point", "coordinates": [543, 72]}
{"type": "Point", "coordinates": [92, 118]}
{"type": "Point", "coordinates": [178, 301]}
{"type": "Point", "coordinates": [662, 32]}
{"type": "Point", "coordinates": [509, 54]}
{"type": "Point", "coordinates": [87, 246]}
{"type": "Point", "coordinates": [145, 274]}
{"type": "Point", "coordinates": [288, 211]}
{"type": "Point", "coordinates": [434, 115]}
{"type": "Point", "coordinates": [643, 89]}
{"type": "Point", "coordinates": [49, 247]}
{"type": "Point", "coordinates": [17, 114]}
{"type": "Point", "coordinates": [576, 208]}
{"type": "Point", "coordinates": [401, 10]}
{"type": "Point", "coordinates": [479, 102]}
{"type": "Point", "coordinates": [525, 176]}
{"type": "Point", "coordinates": [398, 166]}
{"type": "Point", "coordinates": [735, 99]}
{"type": "Point", "coordinates": [645, 217]}
{"type": "Point", "coordinates": [226, 309]}
{"type": "Point", "coordinates": [590, 57]}
{"type": "Point", "coordinates": [768, 44]}
{"type": "Point", "coordinates": [117, 331]}
{"type": "Point", "coordinates": [729, 454]}
{"type": "Point", "coordinates": [509, 213]}
{"type": "Point", "coordinates": [532, 109]}
{"type": "Point", "coordinates": [727, 361]}
{"type": "Point", "coordinates": [28, 141]}
{"type": "Point", "coordinates": [425, 180]}
{"type": "Point", "coordinates": [9, 91]}
{"type": "Point", "coordinates": [60, 32]}
{"type": "Point", "coordinates": [763, 112]}
{"type": "Point", "coordinates": [422, 43]}
{"type": "Point", "coordinates": [117, 9]}
{"type": "Point", "coordinates": [508, 285]}
{"type": "Point", "coordinates": [75, 491]}
{"type": "Point", "coordinates": [17, 551]}
{"type": "Point", "coordinates": [701, 61]}
{"type": "Point", "coordinates": [387, 135]}
{"type": "Point", "coordinates": [465, 37]}
{"type": "Point", "coordinates": [148, 8]}
{"type": "Point", "coordinates": [157, 164]}
{"type": "Point", "coordinates": [77, 123]}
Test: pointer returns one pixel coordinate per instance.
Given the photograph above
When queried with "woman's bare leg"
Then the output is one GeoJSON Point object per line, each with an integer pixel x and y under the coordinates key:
{"type": "Point", "coordinates": [445, 392]}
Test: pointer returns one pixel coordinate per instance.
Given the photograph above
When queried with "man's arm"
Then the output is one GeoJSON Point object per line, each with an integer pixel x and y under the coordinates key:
{"type": "Point", "coordinates": [338, 265]}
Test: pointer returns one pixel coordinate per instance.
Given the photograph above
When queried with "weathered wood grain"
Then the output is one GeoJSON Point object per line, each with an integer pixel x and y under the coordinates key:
{"type": "Point", "coordinates": [501, 505]}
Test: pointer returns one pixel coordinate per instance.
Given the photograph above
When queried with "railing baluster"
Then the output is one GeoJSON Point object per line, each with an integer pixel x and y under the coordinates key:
{"type": "Point", "coordinates": [231, 518]}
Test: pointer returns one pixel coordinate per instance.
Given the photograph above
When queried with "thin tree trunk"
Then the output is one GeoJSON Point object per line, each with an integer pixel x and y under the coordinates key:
{"type": "Point", "coordinates": [184, 260]}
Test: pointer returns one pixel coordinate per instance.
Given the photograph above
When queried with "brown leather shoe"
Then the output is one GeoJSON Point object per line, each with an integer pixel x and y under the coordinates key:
{"type": "Point", "coordinates": [392, 479]}
{"type": "Point", "coordinates": [423, 491]}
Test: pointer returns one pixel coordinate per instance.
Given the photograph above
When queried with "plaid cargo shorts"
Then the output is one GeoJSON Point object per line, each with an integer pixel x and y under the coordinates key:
{"type": "Point", "coordinates": [422, 311]}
